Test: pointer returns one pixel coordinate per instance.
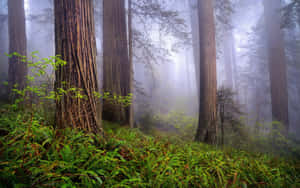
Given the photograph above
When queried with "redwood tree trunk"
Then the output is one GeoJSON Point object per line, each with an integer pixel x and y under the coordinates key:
{"type": "Point", "coordinates": [17, 70]}
{"type": "Point", "coordinates": [117, 69]}
{"type": "Point", "coordinates": [207, 128]}
{"type": "Point", "coordinates": [277, 63]}
{"type": "Point", "coordinates": [75, 42]}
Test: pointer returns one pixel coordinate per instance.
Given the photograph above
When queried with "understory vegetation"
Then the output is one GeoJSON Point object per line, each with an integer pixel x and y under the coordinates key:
{"type": "Point", "coordinates": [34, 154]}
{"type": "Point", "coordinates": [264, 138]}
{"type": "Point", "coordinates": [161, 152]}
{"type": "Point", "coordinates": [150, 94]}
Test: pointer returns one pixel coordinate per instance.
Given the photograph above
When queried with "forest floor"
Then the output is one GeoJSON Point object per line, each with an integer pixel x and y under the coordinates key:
{"type": "Point", "coordinates": [35, 155]}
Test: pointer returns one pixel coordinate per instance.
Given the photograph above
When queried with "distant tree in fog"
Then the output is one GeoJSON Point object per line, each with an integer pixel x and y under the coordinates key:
{"type": "Point", "coordinates": [17, 70]}
{"type": "Point", "coordinates": [291, 14]}
{"type": "Point", "coordinates": [277, 63]}
{"type": "Point", "coordinates": [130, 58]}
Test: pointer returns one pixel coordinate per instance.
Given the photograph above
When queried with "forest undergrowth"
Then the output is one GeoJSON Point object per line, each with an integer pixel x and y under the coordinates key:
{"type": "Point", "coordinates": [34, 154]}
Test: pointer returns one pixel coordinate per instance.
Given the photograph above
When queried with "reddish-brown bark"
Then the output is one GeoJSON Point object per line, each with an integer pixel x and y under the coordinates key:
{"type": "Point", "coordinates": [116, 65]}
{"type": "Point", "coordinates": [207, 128]}
{"type": "Point", "coordinates": [75, 42]}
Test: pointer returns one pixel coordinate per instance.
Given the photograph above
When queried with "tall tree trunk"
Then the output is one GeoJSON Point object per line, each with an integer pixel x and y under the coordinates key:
{"type": "Point", "coordinates": [116, 65]}
{"type": "Point", "coordinates": [17, 69]}
{"type": "Point", "coordinates": [228, 49]}
{"type": "Point", "coordinates": [234, 68]}
{"type": "Point", "coordinates": [3, 59]}
{"type": "Point", "coordinates": [130, 46]}
{"type": "Point", "coordinates": [258, 104]}
{"type": "Point", "coordinates": [196, 41]}
{"type": "Point", "coordinates": [188, 78]}
{"type": "Point", "coordinates": [207, 128]}
{"type": "Point", "coordinates": [75, 42]}
{"type": "Point", "coordinates": [277, 63]}
{"type": "Point", "coordinates": [228, 57]}
{"type": "Point", "coordinates": [222, 118]}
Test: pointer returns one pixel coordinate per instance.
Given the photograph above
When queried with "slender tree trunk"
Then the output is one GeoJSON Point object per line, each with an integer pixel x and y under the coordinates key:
{"type": "Point", "coordinates": [3, 58]}
{"type": "Point", "coordinates": [207, 128]}
{"type": "Point", "coordinates": [130, 46]}
{"type": "Point", "coordinates": [229, 53]}
{"type": "Point", "coordinates": [75, 42]}
{"type": "Point", "coordinates": [17, 70]}
{"type": "Point", "coordinates": [234, 69]}
{"type": "Point", "coordinates": [196, 42]}
{"type": "Point", "coordinates": [117, 69]}
{"type": "Point", "coordinates": [222, 116]}
{"type": "Point", "coordinates": [258, 104]}
{"type": "Point", "coordinates": [277, 63]}
{"type": "Point", "coordinates": [188, 79]}
{"type": "Point", "coordinates": [228, 57]}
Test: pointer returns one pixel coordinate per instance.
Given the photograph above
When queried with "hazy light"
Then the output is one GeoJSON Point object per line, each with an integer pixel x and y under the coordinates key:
{"type": "Point", "coordinates": [238, 39]}
{"type": "Point", "coordinates": [26, 5]}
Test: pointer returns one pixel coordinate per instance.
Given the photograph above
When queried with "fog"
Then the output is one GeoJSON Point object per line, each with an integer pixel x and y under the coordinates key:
{"type": "Point", "coordinates": [166, 55]}
{"type": "Point", "coordinates": [149, 93]}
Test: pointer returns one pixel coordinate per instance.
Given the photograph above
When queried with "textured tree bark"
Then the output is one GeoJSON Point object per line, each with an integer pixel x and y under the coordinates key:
{"type": "Point", "coordinates": [17, 69]}
{"type": "Point", "coordinates": [75, 42]}
{"type": "Point", "coordinates": [207, 128]}
{"type": "Point", "coordinates": [116, 65]}
{"type": "Point", "coordinates": [277, 63]}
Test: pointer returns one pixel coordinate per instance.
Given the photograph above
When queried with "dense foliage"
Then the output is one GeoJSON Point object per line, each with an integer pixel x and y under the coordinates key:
{"type": "Point", "coordinates": [33, 154]}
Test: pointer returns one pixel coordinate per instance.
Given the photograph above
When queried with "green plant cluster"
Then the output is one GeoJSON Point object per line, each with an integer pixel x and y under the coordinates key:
{"type": "Point", "coordinates": [265, 138]}
{"type": "Point", "coordinates": [185, 126]}
{"type": "Point", "coordinates": [39, 70]}
{"type": "Point", "coordinates": [35, 155]}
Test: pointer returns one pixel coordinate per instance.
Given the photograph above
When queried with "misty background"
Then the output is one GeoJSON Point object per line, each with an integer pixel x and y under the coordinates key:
{"type": "Point", "coordinates": [165, 53]}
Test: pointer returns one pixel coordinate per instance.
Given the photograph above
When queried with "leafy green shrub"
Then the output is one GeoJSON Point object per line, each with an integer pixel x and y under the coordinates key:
{"type": "Point", "coordinates": [265, 138]}
{"type": "Point", "coordinates": [184, 125]}
{"type": "Point", "coordinates": [173, 123]}
{"type": "Point", "coordinates": [39, 95]}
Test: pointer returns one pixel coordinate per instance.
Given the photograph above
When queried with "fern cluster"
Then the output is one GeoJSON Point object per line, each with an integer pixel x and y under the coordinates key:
{"type": "Point", "coordinates": [33, 154]}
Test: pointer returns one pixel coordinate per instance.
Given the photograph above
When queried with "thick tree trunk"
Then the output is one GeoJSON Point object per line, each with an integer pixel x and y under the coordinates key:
{"type": "Point", "coordinates": [116, 65]}
{"type": "Point", "coordinates": [17, 70]}
{"type": "Point", "coordinates": [277, 63]}
{"type": "Point", "coordinates": [207, 128]}
{"type": "Point", "coordinates": [75, 42]}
